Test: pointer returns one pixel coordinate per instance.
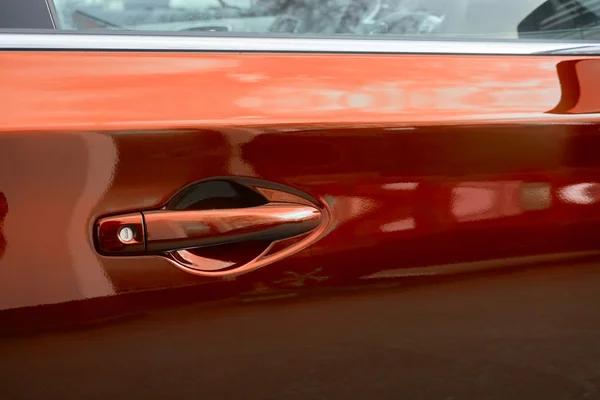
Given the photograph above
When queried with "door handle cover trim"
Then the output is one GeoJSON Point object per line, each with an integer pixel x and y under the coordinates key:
{"type": "Point", "coordinates": [179, 230]}
{"type": "Point", "coordinates": [171, 233]}
{"type": "Point", "coordinates": [164, 231]}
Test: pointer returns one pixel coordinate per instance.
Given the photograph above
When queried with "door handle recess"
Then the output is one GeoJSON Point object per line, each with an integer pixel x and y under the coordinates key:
{"type": "Point", "coordinates": [162, 231]}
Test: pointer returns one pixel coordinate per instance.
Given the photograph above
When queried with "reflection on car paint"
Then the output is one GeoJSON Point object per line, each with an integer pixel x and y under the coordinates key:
{"type": "Point", "coordinates": [399, 225]}
{"type": "Point", "coordinates": [580, 193]}
{"type": "Point", "coordinates": [473, 201]}
{"type": "Point", "coordinates": [71, 175]}
{"type": "Point", "coordinates": [387, 97]}
{"type": "Point", "coordinates": [444, 90]}
{"type": "Point", "coordinates": [294, 279]}
{"type": "Point", "coordinates": [3, 212]}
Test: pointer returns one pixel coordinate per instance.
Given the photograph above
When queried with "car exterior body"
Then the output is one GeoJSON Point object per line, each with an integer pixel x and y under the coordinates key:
{"type": "Point", "coordinates": [424, 157]}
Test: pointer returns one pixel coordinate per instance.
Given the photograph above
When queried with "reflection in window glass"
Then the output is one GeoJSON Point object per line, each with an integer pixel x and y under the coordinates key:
{"type": "Point", "coordinates": [504, 19]}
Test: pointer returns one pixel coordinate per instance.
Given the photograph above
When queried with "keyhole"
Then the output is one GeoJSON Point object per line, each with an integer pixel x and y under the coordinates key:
{"type": "Point", "coordinates": [126, 234]}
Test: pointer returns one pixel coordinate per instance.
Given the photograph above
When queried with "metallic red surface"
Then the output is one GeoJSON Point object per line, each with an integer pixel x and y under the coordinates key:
{"type": "Point", "coordinates": [3, 212]}
{"type": "Point", "coordinates": [175, 230]}
{"type": "Point", "coordinates": [421, 161]}
{"type": "Point", "coordinates": [428, 171]}
{"type": "Point", "coordinates": [110, 91]}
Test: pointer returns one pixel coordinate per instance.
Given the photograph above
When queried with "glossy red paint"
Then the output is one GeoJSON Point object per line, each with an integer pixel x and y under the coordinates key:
{"type": "Point", "coordinates": [3, 212]}
{"type": "Point", "coordinates": [110, 91]}
{"type": "Point", "coordinates": [419, 160]}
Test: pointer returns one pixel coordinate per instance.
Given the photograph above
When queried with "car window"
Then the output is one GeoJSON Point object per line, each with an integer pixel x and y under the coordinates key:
{"type": "Point", "coordinates": [30, 14]}
{"type": "Point", "coordinates": [499, 19]}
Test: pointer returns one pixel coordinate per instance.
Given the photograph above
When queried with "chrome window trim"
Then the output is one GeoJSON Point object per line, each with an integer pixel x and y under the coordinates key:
{"type": "Point", "coordinates": [137, 41]}
{"type": "Point", "coordinates": [51, 13]}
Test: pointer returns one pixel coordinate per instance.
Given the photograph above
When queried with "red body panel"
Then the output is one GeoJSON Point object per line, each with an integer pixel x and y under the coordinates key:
{"type": "Point", "coordinates": [423, 169]}
{"type": "Point", "coordinates": [422, 160]}
{"type": "Point", "coordinates": [110, 91]}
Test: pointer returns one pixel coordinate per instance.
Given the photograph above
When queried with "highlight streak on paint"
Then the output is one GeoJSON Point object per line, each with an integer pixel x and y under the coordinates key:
{"type": "Point", "coordinates": [102, 159]}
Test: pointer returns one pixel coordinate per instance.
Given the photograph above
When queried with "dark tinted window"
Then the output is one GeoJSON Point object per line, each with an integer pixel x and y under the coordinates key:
{"type": "Point", "coordinates": [504, 19]}
{"type": "Point", "coordinates": [24, 14]}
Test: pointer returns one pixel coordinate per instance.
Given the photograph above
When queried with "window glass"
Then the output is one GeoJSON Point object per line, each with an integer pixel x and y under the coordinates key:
{"type": "Point", "coordinates": [31, 14]}
{"type": "Point", "coordinates": [501, 19]}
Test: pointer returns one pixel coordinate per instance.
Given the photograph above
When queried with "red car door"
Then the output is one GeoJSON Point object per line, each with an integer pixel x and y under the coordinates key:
{"type": "Point", "coordinates": [147, 158]}
{"type": "Point", "coordinates": [402, 155]}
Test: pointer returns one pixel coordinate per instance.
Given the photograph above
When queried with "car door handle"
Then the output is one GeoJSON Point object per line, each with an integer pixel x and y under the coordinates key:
{"type": "Point", "coordinates": [177, 230]}
{"type": "Point", "coordinates": [161, 231]}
